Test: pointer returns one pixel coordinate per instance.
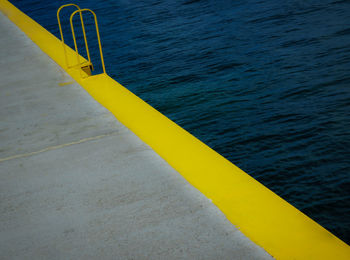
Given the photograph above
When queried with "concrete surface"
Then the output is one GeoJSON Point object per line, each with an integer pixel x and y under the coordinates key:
{"type": "Point", "coordinates": [76, 184]}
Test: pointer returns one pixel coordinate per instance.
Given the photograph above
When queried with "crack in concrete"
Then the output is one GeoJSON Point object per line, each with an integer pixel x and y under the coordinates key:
{"type": "Point", "coordinates": [50, 148]}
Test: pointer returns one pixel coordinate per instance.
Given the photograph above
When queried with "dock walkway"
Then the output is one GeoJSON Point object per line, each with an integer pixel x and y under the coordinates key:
{"type": "Point", "coordinates": [76, 184]}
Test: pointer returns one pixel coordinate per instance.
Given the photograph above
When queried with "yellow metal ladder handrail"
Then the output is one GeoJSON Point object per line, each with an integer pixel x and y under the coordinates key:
{"type": "Point", "coordinates": [61, 33]}
{"type": "Point", "coordinates": [97, 32]}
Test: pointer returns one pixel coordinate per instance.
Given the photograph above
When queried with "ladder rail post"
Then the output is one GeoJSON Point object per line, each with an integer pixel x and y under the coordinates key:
{"type": "Point", "coordinates": [84, 34]}
{"type": "Point", "coordinates": [99, 42]}
{"type": "Point", "coordinates": [73, 34]}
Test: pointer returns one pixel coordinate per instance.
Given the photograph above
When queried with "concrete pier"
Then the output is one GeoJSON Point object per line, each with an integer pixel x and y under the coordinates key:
{"type": "Point", "coordinates": [76, 184]}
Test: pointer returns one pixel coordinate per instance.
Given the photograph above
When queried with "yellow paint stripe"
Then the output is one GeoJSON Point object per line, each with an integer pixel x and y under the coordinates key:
{"type": "Point", "coordinates": [61, 84]}
{"type": "Point", "coordinates": [265, 218]}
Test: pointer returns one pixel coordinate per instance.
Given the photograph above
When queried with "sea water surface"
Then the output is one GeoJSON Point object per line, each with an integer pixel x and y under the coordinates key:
{"type": "Point", "coordinates": [264, 83]}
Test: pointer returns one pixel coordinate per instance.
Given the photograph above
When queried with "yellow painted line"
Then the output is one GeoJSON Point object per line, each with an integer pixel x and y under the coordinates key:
{"type": "Point", "coordinates": [282, 230]}
{"type": "Point", "coordinates": [61, 84]}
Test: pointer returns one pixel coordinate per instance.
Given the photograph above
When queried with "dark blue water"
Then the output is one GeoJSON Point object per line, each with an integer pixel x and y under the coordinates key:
{"type": "Point", "coordinates": [264, 83]}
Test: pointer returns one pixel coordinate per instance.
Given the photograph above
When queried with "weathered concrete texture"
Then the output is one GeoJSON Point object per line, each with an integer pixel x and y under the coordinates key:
{"type": "Point", "coordinates": [76, 184]}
